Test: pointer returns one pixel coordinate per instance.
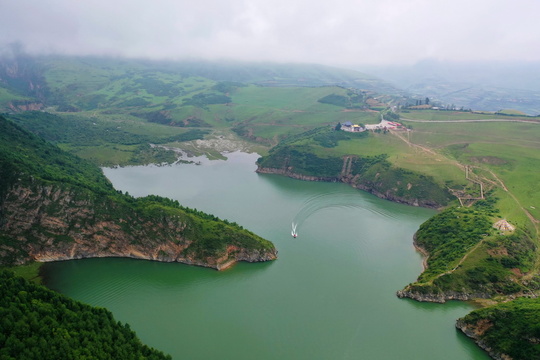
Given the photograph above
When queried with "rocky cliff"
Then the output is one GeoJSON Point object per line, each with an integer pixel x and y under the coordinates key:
{"type": "Point", "coordinates": [357, 181]}
{"type": "Point", "coordinates": [18, 106]}
{"type": "Point", "coordinates": [56, 206]}
{"type": "Point", "coordinates": [475, 332]}
{"type": "Point", "coordinates": [440, 297]}
{"type": "Point", "coordinates": [49, 222]}
{"type": "Point", "coordinates": [289, 172]}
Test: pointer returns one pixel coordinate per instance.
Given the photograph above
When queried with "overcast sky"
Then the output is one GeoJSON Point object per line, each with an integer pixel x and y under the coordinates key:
{"type": "Point", "coordinates": [333, 32]}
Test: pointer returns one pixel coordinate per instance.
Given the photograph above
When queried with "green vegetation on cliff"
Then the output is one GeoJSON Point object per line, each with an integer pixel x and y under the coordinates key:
{"type": "Point", "coordinates": [448, 236]}
{"type": "Point", "coordinates": [54, 203]}
{"type": "Point", "coordinates": [24, 156]}
{"type": "Point", "coordinates": [469, 258]}
{"type": "Point", "coordinates": [321, 153]}
{"type": "Point", "coordinates": [37, 323]}
{"type": "Point", "coordinates": [511, 328]}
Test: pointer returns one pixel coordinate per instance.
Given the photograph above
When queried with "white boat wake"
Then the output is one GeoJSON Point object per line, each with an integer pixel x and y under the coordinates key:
{"type": "Point", "coordinates": [293, 232]}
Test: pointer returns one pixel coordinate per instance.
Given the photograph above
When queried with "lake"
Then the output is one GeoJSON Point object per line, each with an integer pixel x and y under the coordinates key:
{"type": "Point", "coordinates": [330, 294]}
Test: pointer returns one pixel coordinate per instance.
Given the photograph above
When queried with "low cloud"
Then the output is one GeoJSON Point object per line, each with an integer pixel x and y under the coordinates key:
{"type": "Point", "coordinates": [339, 32]}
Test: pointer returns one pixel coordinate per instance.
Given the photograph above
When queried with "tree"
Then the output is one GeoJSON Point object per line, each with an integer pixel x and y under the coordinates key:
{"type": "Point", "coordinates": [338, 126]}
{"type": "Point", "coordinates": [427, 101]}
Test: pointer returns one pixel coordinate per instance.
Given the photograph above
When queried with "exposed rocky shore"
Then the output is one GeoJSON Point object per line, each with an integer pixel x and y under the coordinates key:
{"type": "Point", "coordinates": [439, 297]}
{"type": "Point", "coordinates": [475, 332]}
{"type": "Point", "coordinates": [354, 181]}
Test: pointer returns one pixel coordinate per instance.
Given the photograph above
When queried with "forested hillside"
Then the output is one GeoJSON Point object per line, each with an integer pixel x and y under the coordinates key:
{"type": "Point", "coordinates": [37, 323]}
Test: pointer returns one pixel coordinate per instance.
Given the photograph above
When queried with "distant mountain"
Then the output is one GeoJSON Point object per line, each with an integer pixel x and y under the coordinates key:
{"type": "Point", "coordinates": [86, 83]}
{"type": "Point", "coordinates": [484, 86]}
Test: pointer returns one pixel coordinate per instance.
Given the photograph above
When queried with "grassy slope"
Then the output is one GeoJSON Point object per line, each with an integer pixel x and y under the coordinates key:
{"type": "Point", "coordinates": [7, 96]}
{"type": "Point", "coordinates": [503, 156]}
{"type": "Point", "coordinates": [321, 153]}
{"type": "Point", "coordinates": [120, 141]}
{"type": "Point", "coordinates": [272, 113]}
{"type": "Point", "coordinates": [511, 150]}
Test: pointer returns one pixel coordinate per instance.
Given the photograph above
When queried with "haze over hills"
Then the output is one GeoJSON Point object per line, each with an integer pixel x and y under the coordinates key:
{"type": "Point", "coordinates": [482, 86]}
{"type": "Point", "coordinates": [485, 86]}
{"type": "Point", "coordinates": [26, 75]}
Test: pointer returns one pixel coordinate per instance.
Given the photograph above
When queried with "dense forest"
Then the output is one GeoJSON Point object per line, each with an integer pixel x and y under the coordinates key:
{"type": "Point", "coordinates": [24, 155]}
{"type": "Point", "coordinates": [84, 131]}
{"type": "Point", "coordinates": [37, 323]}
{"type": "Point", "coordinates": [511, 328]}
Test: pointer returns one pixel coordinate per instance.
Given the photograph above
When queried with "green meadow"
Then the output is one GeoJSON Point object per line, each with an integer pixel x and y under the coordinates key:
{"type": "Point", "coordinates": [509, 150]}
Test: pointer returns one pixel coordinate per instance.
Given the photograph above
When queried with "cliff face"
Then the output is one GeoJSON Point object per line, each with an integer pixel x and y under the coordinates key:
{"type": "Point", "coordinates": [288, 171]}
{"type": "Point", "coordinates": [18, 106]}
{"type": "Point", "coordinates": [52, 222]}
{"type": "Point", "coordinates": [441, 297]}
{"type": "Point", "coordinates": [475, 332]}
{"type": "Point", "coordinates": [358, 182]}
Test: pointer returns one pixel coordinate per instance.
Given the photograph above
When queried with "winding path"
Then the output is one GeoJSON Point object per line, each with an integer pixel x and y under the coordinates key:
{"type": "Point", "coordinates": [535, 222]}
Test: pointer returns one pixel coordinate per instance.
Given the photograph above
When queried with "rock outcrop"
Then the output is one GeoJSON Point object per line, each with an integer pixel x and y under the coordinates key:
{"type": "Point", "coordinates": [354, 181]}
{"type": "Point", "coordinates": [288, 171]}
{"type": "Point", "coordinates": [475, 332]}
{"type": "Point", "coordinates": [53, 222]}
{"type": "Point", "coordinates": [18, 106]}
{"type": "Point", "coordinates": [441, 297]}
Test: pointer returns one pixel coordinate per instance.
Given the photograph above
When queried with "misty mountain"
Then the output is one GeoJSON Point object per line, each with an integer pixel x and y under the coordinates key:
{"type": "Point", "coordinates": [488, 86]}
{"type": "Point", "coordinates": [60, 80]}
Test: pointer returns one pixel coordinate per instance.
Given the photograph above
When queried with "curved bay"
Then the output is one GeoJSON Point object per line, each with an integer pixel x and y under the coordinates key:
{"type": "Point", "coordinates": [330, 295]}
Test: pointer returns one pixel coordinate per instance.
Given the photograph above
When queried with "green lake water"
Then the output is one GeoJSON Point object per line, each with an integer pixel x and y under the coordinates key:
{"type": "Point", "coordinates": [330, 295]}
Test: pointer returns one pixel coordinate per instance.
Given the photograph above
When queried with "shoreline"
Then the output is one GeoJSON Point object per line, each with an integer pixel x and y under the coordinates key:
{"type": "Point", "coordinates": [347, 180]}
{"type": "Point", "coordinates": [421, 250]}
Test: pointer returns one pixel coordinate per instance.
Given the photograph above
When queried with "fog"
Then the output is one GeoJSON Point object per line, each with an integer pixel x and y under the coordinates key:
{"type": "Point", "coordinates": [339, 32]}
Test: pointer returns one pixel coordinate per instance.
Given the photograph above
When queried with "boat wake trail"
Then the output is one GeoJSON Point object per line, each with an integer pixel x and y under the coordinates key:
{"type": "Point", "coordinates": [336, 199]}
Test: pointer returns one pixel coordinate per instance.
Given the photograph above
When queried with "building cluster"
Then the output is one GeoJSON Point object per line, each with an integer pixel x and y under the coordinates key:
{"type": "Point", "coordinates": [383, 125]}
{"type": "Point", "coordinates": [349, 126]}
